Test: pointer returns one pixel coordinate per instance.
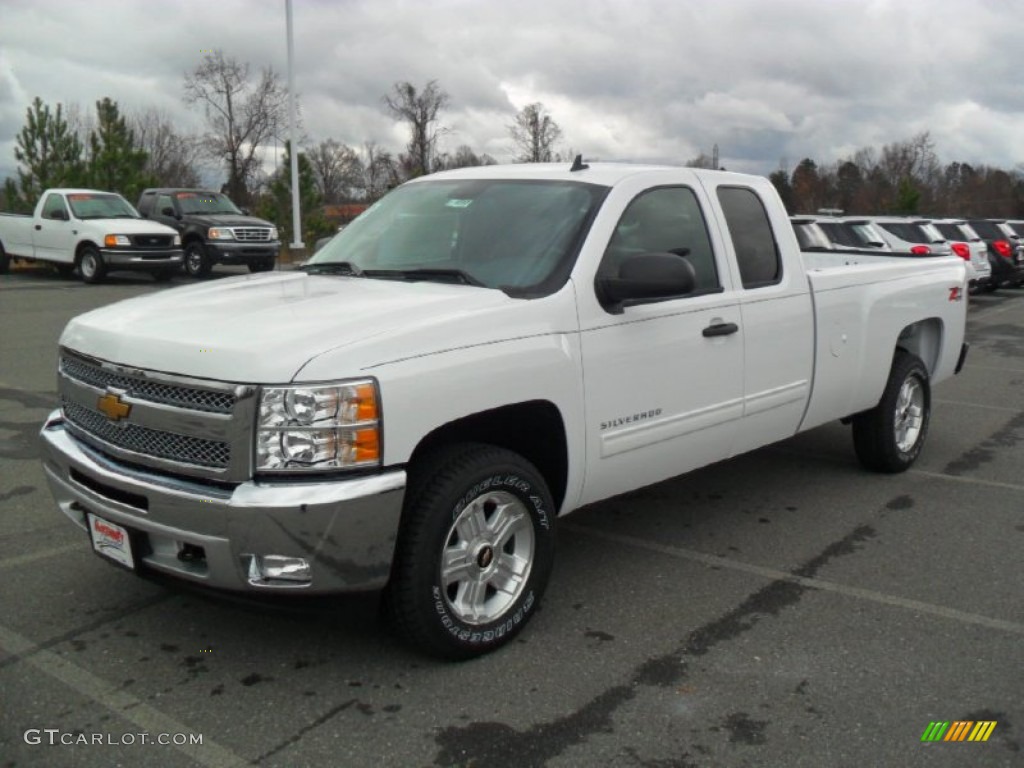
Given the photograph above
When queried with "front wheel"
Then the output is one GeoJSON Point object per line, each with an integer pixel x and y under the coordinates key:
{"type": "Point", "coordinates": [889, 437]}
{"type": "Point", "coordinates": [91, 266]}
{"type": "Point", "coordinates": [475, 551]}
{"type": "Point", "coordinates": [197, 263]}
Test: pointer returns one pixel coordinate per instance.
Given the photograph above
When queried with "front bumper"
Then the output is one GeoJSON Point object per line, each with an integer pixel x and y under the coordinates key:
{"type": "Point", "coordinates": [121, 258]}
{"type": "Point", "coordinates": [345, 529]}
{"type": "Point", "coordinates": [241, 252]}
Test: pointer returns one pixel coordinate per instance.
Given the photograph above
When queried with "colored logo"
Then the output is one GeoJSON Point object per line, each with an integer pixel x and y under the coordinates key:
{"type": "Point", "coordinates": [111, 406]}
{"type": "Point", "coordinates": [959, 730]}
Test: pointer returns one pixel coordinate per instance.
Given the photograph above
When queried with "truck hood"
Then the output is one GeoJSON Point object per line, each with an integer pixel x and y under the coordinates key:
{"type": "Point", "coordinates": [263, 328]}
{"type": "Point", "coordinates": [131, 226]}
{"type": "Point", "coordinates": [226, 220]}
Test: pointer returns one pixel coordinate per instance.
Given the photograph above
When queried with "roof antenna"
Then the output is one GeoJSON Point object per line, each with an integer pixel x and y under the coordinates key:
{"type": "Point", "coordinates": [578, 164]}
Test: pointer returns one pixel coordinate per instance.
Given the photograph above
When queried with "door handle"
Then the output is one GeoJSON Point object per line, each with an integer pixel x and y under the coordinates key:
{"type": "Point", "coordinates": [720, 329]}
{"type": "Point", "coordinates": [39, 226]}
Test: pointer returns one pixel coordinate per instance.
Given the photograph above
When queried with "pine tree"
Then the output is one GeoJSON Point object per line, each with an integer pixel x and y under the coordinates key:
{"type": "Point", "coordinates": [116, 162]}
{"type": "Point", "coordinates": [48, 152]}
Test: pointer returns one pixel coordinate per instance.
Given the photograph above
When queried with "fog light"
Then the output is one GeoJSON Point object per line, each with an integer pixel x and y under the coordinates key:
{"type": "Point", "coordinates": [263, 568]}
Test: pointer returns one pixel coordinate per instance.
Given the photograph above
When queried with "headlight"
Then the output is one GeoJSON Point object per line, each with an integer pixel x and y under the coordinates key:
{"type": "Point", "coordinates": [112, 241]}
{"type": "Point", "coordinates": [220, 233]}
{"type": "Point", "coordinates": [177, 240]}
{"type": "Point", "coordinates": [319, 428]}
{"type": "Point", "coordinates": [273, 233]}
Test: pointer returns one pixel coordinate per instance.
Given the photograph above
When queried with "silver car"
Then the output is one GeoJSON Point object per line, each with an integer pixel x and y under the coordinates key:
{"type": "Point", "coordinates": [968, 245]}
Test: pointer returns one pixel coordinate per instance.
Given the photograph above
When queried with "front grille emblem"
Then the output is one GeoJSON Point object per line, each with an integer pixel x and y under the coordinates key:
{"type": "Point", "coordinates": [111, 406]}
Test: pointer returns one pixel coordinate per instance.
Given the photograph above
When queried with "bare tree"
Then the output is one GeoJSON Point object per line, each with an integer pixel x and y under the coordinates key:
{"type": "Point", "coordinates": [464, 157]}
{"type": "Point", "coordinates": [337, 169]}
{"type": "Point", "coordinates": [173, 158]}
{"type": "Point", "coordinates": [535, 133]}
{"type": "Point", "coordinates": [380, 169]}
{"type": "Point", "coordinates": [242, 115]}
{"type": "Point", "coordinates": [420, 110]}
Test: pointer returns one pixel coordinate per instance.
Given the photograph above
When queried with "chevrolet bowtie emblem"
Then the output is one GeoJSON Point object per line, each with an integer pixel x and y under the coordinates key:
{"type": "Point", "coordinates": [110, 405]}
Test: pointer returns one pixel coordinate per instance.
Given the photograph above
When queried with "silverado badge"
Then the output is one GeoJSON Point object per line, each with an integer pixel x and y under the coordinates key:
{"type": "Point", "coordinates": [110, 405]}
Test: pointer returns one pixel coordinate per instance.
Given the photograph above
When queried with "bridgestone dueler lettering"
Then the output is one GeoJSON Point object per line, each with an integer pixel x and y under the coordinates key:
{"type": "Point", "coordinates": [492, 506]}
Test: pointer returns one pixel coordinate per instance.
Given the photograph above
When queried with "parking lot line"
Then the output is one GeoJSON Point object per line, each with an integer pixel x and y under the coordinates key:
{"type": "Point", "coordinates": [966, 480]}
{"type": "Point", "coordinates": [716, 561]}
{"type": "Point", "coordinates": [983, 406]}
{"type": "Point", "coordinates": [41, 554]}
{"type": "Point", "coordinates": [147, 718]}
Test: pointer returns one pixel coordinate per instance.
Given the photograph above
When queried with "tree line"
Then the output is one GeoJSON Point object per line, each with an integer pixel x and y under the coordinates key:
{"type": "Point", "coordinates": [244, 112]}
{"type": "Point", "coordinates": [904, 178]}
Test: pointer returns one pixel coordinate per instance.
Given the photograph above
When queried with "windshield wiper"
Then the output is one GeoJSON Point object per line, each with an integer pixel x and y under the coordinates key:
{"type": "Point", "coordinates": [426, 273]}
{"type": "Point", "coordinates": [334, 268]}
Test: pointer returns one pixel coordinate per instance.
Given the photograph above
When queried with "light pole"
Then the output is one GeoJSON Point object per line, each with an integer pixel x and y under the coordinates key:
{"type": "Point", "coordinates": [296, 243]}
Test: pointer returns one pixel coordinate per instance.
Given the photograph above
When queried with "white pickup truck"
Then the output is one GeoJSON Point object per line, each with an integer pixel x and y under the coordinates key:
{"type": "Point", "coordinates": [480, 352]}
{"type": "Point", "coordinates": [91, 231]}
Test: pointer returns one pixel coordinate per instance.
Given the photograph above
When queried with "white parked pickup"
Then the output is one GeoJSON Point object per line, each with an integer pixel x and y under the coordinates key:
{"type": "Point", "coordinates": [91, 231]}
{"type": "Point", "coordinates": [479, 353]}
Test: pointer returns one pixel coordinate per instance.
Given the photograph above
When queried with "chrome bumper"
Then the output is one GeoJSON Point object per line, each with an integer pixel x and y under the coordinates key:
{"type": "Point", "coordinates": [119, 258]}
{"type": "Point", "coordinates": [345, 529]}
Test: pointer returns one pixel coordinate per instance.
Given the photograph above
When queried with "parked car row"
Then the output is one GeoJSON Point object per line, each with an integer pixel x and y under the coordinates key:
{"type": "Point", "coordinates": [992, 249]}
{"type": "Point", "coordinates": [95, 232]}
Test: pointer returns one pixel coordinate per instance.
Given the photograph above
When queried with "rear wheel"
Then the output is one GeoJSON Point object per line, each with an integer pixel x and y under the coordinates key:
{"type": "Point", "coordinates": [889, 437]}
{"type": "Point", "coordinates": [197, 263]}
{"type": "Point", "coordinates": [474, 553]}
{"type": "Point", "coordinates": [90, 265]}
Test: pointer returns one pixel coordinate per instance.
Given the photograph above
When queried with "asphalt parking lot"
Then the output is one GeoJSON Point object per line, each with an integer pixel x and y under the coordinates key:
{"type": "Point", "coordinates": [783, 608]}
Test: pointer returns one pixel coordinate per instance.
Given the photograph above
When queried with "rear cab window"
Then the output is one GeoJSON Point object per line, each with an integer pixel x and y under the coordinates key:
{"type": "Point", "coordinates": [757, 252]}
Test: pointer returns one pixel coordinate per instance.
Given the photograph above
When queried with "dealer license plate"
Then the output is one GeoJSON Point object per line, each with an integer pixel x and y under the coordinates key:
{"type": "Point", "coordinates": [111, 540]}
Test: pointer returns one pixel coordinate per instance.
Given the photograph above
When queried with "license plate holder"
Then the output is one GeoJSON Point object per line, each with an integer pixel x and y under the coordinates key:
{"type": "Point", "coordinates": [111, 541]}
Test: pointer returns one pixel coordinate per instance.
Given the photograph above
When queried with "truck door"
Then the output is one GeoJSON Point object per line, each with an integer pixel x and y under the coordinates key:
{"type": "Point", "coordinates": [778, 316]}
{"type": "Point", "coordinates": [663, 380]}
{"type": "Point", "coordinates": [54, 234]}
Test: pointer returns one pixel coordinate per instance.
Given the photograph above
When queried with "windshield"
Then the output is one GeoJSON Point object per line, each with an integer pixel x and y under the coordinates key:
{"type": "Point", "coordinates": [205, 203]}
{"type": "Point", "coordinates": [96, 205]}
{"type": "Point", "coordinates": [810, 236]}
{"type": "Point", "coordinates": [490, 232]}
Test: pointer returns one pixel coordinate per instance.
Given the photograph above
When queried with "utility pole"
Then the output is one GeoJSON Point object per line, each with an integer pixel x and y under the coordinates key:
{"type": "Point", "coordinates": [296, 243]}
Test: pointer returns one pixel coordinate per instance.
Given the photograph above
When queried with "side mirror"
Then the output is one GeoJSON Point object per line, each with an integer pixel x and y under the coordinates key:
{"type": "Point", "coordinates": [245, 211]}
{"type": "Point", "coordinates": [167, 211]}
{"type": "Point", "coordinates": [60, 214]}
{"type": "Point", "coordinates": [646, 277]}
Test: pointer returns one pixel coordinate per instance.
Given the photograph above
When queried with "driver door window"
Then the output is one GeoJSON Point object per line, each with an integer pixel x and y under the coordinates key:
{"type": "Point", "coordinates": [664, 220]}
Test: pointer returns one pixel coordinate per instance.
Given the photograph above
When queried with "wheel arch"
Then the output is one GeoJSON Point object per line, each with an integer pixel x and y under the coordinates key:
{"type": "Point", "coordinates": [923, 339]}
{"type": "Point", "coordinates": [534, 429]}
{"type": "Point", "coordinates": [81, 246]}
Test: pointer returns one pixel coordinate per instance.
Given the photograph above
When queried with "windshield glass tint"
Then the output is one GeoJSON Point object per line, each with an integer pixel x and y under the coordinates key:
{"type": "Point", "coordinates": [988, 230]}
{"type": "Point", "coordinates": [911, 233]}
{"type": "Point", "coordinates": [92, 205]}
{"type": "Point", "coordinates": [502, 233]}
{"type": "Point", "coordinates": [205, 202]}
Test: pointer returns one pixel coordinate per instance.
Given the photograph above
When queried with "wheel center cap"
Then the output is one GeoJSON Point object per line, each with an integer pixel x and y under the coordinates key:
{"type": "Point", "coordinates": [485, 557]}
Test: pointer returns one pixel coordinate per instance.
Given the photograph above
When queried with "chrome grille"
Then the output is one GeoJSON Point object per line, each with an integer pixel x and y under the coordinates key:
{"type": "Point", "coordinates": [252, 234]}
{"type": "Point", "coordinates": [146, 441]}
{"type": "Point", "coordinates": [152, 241]}
{"type": "Point", "coordinates": [144, 389]}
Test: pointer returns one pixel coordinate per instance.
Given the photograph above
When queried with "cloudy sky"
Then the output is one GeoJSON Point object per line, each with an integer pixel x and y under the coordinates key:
{"type": "Point", "coordinates": [768, 81]}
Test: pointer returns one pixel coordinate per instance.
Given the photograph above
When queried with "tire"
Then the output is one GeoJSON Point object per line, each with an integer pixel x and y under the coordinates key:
{"type": "Point", "coordinates": [197, 263]}
{"type": "Point", "coordinates": [5, 261]}
{"type": "Point", "coordinates": [91, 266]}
{"type": "Point", "coordinates": [263, 265]}
{"type": "Point", "coordinates": [890, 436]}
{"type": "Point", "coordinates": [487, 512]}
